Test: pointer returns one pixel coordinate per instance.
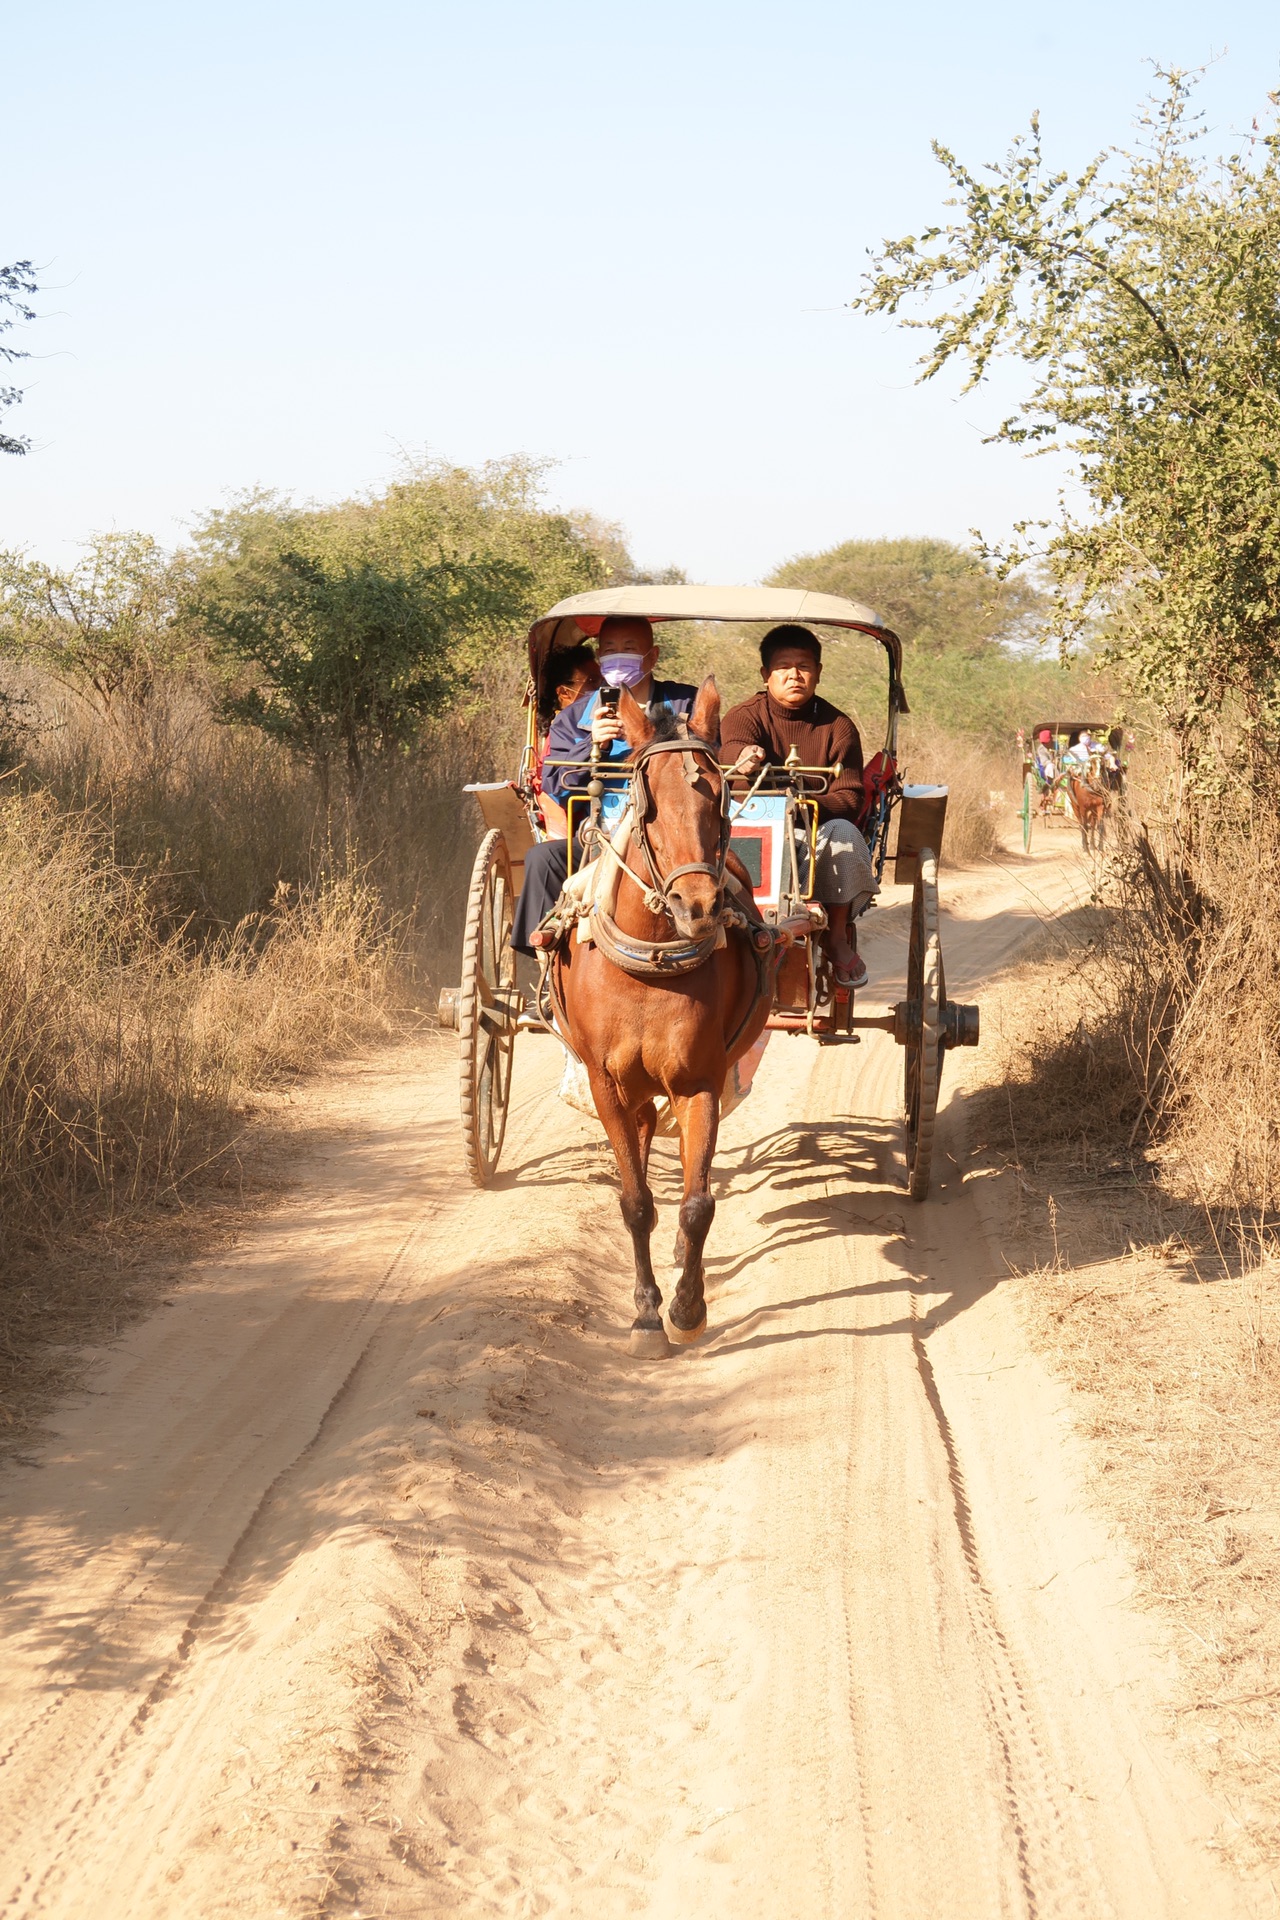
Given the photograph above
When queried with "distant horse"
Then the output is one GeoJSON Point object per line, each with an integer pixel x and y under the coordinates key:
{"type": "Point", "coordinates": [650, 1015]}
{"type": "Point", "coordinates": [1089, 803]}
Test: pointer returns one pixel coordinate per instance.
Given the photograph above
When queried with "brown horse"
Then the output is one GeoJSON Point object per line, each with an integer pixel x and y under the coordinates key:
{"type": "Point", "coordinates": [648, 1014]}
{"type": "Point", "coordinates": [1089, 804]}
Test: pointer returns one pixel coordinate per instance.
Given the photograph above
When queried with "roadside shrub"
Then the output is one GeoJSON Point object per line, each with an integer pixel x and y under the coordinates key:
{"type": "Point", "coordinates": [977, 816]}
{"type": "Point", "coordinates": [125, 1051]}
{"type": "Point", "coordinates": [1165, 1042]}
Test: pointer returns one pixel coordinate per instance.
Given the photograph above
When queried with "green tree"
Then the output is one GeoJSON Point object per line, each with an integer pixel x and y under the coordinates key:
{"type": "Point", "coordinates": [1143, 297]}
{"type": "Point", "coordinates": [105, 628]}
{"type": "Point", "coordinates": [350, 651]}
{"type": "Point", "coordinates": [937, 596]}
{"type": "Point", "coordinates": [17, 281]}
{"type": "Point", "coordinates": [342, 629]}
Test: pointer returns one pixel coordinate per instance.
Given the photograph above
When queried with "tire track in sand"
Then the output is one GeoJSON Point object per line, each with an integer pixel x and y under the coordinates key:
{"type": "Point", "coordinates": [811, 1619]}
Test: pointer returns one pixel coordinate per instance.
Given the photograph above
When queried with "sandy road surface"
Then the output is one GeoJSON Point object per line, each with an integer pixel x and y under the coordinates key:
{"type": "Point", "coordinates": [372, 1577]}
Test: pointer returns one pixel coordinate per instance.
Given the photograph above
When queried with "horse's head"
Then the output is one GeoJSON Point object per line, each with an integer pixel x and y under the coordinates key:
{"type": "Point", "coordinates": [680, 797]}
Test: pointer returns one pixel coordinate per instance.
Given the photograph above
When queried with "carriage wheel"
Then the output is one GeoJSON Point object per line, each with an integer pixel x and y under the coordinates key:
{"type": "Point", "coordinates": [1028, 810]}
{"type": "Point", "coordinates": [926, 989]}
{"type": "Point", "coordinates": [486, 1018]}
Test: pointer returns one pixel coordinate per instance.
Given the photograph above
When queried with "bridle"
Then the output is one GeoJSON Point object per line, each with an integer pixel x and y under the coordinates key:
{"type": "Point", "coordinates": [663, 959]}
{"type": "Point", "coordinates": [668, 959]}
{"type": "Point", "coordinates": [640, 799]}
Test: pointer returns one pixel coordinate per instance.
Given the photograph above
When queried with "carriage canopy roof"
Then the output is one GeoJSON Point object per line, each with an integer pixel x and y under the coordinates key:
{"type": "Point", "coordinates": [581, 617]}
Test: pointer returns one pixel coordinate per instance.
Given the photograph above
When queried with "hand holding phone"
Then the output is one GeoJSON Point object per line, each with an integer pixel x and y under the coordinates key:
{"type": "Point", "coordinates": [605, 725]}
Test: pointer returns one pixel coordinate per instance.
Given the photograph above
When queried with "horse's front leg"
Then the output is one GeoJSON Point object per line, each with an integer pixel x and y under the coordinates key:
{"type": "Point", "coordinates": [646, 1127]}
{"type": "Point", "coordinates": [630, 1142]}
{"type": "Point", "coordinates": [699, 1117]}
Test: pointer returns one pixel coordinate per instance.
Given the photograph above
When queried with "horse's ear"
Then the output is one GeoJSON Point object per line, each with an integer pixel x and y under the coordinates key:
{"type": "Point", "coordinates": [637, 727]}
{"type": "Point", "coordinates": [705, 718]}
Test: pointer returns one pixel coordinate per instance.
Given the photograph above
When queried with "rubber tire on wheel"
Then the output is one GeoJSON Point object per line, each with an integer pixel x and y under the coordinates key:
{"type": "Point", "coordinates": [486, 1030]}
{"type": "Point", "coordinates": [926, 988]}
{"type": "Point", "coordinates": [1028, 810]}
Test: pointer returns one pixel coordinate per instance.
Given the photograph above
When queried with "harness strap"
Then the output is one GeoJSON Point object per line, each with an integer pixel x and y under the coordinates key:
{"type": "Point", "coordinates": [651, 959]}
{"type": "Point", "coordinates": [693, 866]}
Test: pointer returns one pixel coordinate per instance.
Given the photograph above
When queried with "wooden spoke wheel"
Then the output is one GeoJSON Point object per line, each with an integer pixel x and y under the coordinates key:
{"type": "Point", "coordinates": [487, 1007]}
{"type": "Point", "coordinates": [1029, 797]}
{"type": "Point", "coordinates": [926, 1027]}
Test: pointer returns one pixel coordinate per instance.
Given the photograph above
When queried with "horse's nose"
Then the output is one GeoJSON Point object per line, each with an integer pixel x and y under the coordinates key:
{"type": "Point", "coordinates": [698, 908]}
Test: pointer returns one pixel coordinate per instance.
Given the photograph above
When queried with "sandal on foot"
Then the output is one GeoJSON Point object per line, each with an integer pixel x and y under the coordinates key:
{"type": "Point", "coordinates": [854, 976]}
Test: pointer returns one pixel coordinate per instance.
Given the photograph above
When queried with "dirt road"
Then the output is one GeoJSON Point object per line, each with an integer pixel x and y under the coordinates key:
{"type": "Point", "coordinates": [373, 1577]}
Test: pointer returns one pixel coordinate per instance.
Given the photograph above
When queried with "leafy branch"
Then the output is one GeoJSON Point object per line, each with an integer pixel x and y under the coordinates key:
{"type": "Point", "coordinates": [17, 281]}
{"type": "Point", "coordinates": [1143, 298]}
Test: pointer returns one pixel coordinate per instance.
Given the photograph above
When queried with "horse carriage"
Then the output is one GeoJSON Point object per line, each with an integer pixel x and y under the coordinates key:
{"type": "Point", "coordinates": [1055, 787]}
{"type": "Point", "coordinates": [763, 934]}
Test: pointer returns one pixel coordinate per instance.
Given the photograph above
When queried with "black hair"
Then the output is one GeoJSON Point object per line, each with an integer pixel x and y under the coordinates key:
{"type": "Point", "coordinates": [568, 662]}
{"type": "Point", "coordinates": [559, 670]}
{"type": "Point", "coordinates": [789, 635]}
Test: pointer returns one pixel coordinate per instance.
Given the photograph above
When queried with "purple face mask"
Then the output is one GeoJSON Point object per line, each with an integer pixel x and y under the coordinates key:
{"type": "Point", "coordinates": [622, 669]}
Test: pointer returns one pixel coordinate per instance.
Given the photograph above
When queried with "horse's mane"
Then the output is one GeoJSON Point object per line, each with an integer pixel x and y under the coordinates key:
{"type": "Point", "coordinates": [666, 725]}
{"type": "Point", "coordinates": [673, 726]}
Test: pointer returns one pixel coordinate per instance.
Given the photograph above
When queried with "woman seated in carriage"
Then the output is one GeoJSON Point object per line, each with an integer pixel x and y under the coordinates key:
{"type": "Point", "coordinates": [569, 673]}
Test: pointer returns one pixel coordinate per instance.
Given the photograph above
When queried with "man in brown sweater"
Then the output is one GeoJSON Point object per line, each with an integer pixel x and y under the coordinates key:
{"type": "Point", "coordinates": [788, 712]}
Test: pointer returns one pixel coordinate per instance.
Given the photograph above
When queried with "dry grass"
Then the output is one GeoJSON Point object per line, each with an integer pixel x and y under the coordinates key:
{"type": "Point", "coordinates": [977, 816]}
{"type": "Point", "coordinates": [1156, 1297]}
{"type": "Point", "coordinates": [1173, 1049]}
{"type": "Point", "coordinates": [221, 818]}
{"type": "Point", "coordinates": [125, 1050]}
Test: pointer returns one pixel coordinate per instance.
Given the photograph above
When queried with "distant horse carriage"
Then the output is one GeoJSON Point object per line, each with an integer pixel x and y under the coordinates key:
{"type": "Point", "coordinates": [692, 934]}
{"type": "Point", "coordinates": [1060, 782]}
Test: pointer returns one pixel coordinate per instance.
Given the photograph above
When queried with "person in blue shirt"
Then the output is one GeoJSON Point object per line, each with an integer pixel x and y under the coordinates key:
{"type": "Point", "coordinates": [627, 656]}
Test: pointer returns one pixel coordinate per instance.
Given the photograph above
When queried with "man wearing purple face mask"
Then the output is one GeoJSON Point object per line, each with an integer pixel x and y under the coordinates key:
{"type": "Point", "coordinates": [627, 656]}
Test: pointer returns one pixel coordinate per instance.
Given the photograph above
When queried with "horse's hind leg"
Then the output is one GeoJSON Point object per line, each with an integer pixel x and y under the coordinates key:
{"type": "Point", "coordinates": [699, 1117]}
{"type": "Point", "coordinates": [630, 1136]}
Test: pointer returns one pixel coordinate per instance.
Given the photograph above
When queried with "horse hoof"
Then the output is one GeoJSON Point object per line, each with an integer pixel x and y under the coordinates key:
{"type": "Point", "coordinates": [648, 1343]}
{"type": "Point", "coordinates": [683, 1339]}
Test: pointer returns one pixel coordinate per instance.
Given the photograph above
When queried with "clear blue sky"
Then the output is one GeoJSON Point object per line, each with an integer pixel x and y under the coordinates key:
{"type": "Point", "coordinates": [284, 241]}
